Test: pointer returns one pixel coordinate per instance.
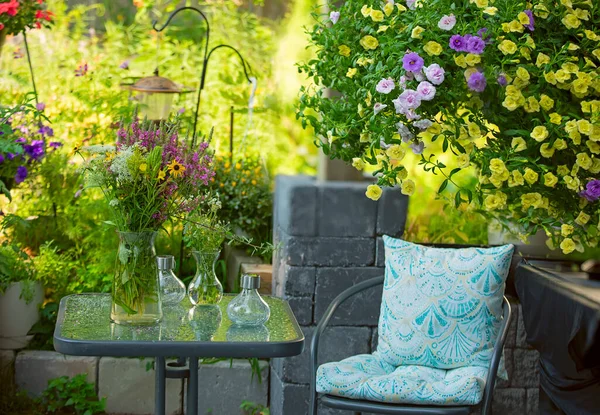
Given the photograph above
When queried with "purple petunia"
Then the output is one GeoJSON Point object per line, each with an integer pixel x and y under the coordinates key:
{"type": "Point", "coordinates": [477, 82]}
{"type": "Point", "coordinates": [531, 25]}
{"type": "Point", "coordinates": [412, 62]}
{"type": "Point", "coordinates": [46, 130]}
{"type": "Point", "coordinates": [124, 64]}
{"type": "Point", "coordinates": [20, 140]}
{"type": "Point", "coordinates": [475, 45]}
{"type": "Point", "coordinates": [426, 91]}
{"type": "Point", "coordinates": [385, 86]}
{"type": "Point", "coordinates": [21, 174]}
{"type": "Point", "coordinates": [10, 156]}
{"type": "Point", "coordinates": [502, 81]}
{"type": "Point", "coordinates": [1, 159]}
{"type": "Point", "coordinates": [592, 191]}
{"type": "Point", "coordinates": [418, 148]}
{"type": "Point", "coordinates": [40, 106]}
{"type": "Point", "coordinates": [35, 150]}
{"type": "Point", "coordinates": [55, 144]}
{"type": "Point", "coordinates": [458, 43]}
{"type": "Point", "coordinates": [435, 73]}
{"type": "Point", "coordinates": [334, 17]}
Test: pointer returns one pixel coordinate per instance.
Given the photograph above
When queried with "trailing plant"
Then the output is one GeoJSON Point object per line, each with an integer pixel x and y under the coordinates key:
{"type": "Point", "coordinates": [75, 395]}
{"type": "Point", "coordinates": [16, 266]}
{"type": "Point", "coordinates": [18, 15]}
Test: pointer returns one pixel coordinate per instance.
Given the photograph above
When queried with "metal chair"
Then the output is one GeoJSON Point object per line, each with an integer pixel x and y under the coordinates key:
{"type": "Point", "coordinates": [398, 409]}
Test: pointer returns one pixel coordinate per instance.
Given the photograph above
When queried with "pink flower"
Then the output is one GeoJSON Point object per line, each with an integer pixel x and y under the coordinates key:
{"type": "Point", "coordinates": [423, 124]}
{"type": "Point", "coordinates": [334, 17]}
{"type": "Point", "coordinates": [402, 82]}
{"type": "Point", "coordinates": [435, 74]}
{"type": "Point", "coordinates": [411, 4]}
{"type": "Point", "coordinates": [426, 91]}
{"type": "Point", "coordinates": [385, 86]}
{"type": "Point", "coordinates": [419, 76]}
{"type": "Point", "coordinates": [447, 22]}
{"type": "Point", "coordinates": [408, 100]}
{"type": "Point", "coordinates": [378, 107]}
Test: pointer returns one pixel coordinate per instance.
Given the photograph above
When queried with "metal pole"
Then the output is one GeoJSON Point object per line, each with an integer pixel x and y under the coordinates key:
{"type": "Point", "coordinates": [160, 384]}
{"type": "Point", "coordinates": [192, 388]}
{"type": "Point", "coordinates": [231, 135]}
{"type": "Point", "coordinates": [30, 68]}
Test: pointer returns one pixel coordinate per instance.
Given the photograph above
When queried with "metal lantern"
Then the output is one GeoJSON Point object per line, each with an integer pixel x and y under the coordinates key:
{"type": "Point", "coordinates": [155, 95]}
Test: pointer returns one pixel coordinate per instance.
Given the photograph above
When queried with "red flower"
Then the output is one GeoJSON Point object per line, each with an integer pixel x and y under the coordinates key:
{"type": "Point", "coordinates": [43, 15]}
{"type": "Point", "coordinates": [1, 26]}
{"type": "Point", "coordinates": [11, 8]}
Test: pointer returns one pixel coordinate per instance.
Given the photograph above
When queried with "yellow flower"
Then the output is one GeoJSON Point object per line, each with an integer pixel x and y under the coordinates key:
{"type": "Point", "coordinates": [594, 148]}
{"type": "Point", "coordinates": [474, 130]}
{"type": "Point", "coordinates": [546, 102]}
{"type": "Point", "coordinates": [143, 167]}
{"type": "Point", "coordinates": [555, 118]}
{"type": "Point", "coordinates": [463, 161]}
{"type": "Point", "coordinates": [238, 166]}
{"type": "Point", "coordinates": [233, 184]}
{"type": "Point", "coordinates": [364, 137]}
{"type": "Point", "coordinates": [566, 229]}
{"type": "Point", "coordinates": [531, 105]}
{"type": "Point", "coordinates": [582, 14]}
{"type": "Point", "coordinates": [472, 59]}
{"type": "Point", "coordinates": [382, 28]}
{"type": "Point", "coordinates": [433, 48]}
{"type": "Point", "coordinates": [497, 166]}
{"type": "Point", "coordinates": [530, 176]}
{"type": "Point", "coordinates": [571, 126]}
{"type": "Point", "coordinates": [596, 53]}
{"type": "Point", "coordinates": [351, 72]}
{"type": "Point", "coordinates": [575, 136]}
{"type": "Point", "coordinates": [511, 103]}
{"type": "Point", "coordinates": [516, 179]}
{"type": "Point", "coordinates": [369, 42]}
{"type": "Point", "coordinates": [571, 21]}
{"type": "Point", "coordinates": [570, 67]}
{"type": "Point", "coordinates": [344, 50]}
{"type": "Point", "coordinates": [582, 218]}
{"type": "Point", "coordinates": [595, 169]}
{"type": "Point", "coordinates": [567, 245]}
{"type": "Point", "coordinates": [579, 88]}
{"type": "Point", "coordinates": [539, 133]}
{"type": "Point", "coordinates": [161, 175]}
{"type": "Point", "coordinates": [523, 19]}
{"type": "Point", "coordinates": [563, 170]}
{"type": "Point", "coordinates": [507, 47]}
{"type": "Point", "coordinates": [531, 200]}
{"type": "Point", "coordinates": [362, 61]}
{"type": "Point", "coordinates": [562, 75]}
{"type": "Point", "coordinates": [550, 179]}
{"type": "Point", "coordinates": [481, 3]}
{"type": "Point", "coordinates": [541, 11]}
{"type": "Point", "coordinates": [76, 149]}
{"type": "Point", "coordinates": [498, 179]}
{"type": "Point", "coordinates": [546, 150]}
{"type": "Point", "coordinates": [358, 163]}
{"type": "Point", "coordinates": [494, 201]}
{"type": "Point", "coordinates": [407, 187]}
{"type": "Point", "coordinates": [373, 192]}
{"type": "Point", "coordinates": [396, 152]}
{"type": "Point", "coordinates": [403, 174]}
{"type": "Point", "coordinates": [417, 32]}
{"type": "Point", "coordinates": [572, 182]}
{"type": "Point", "coordinates": [461, 61]}
{"type": "Point", "coordinates": [550, 77]}
{"type": "Point", "coordinates": [505, 27]}
{"type": "Point", "coordinates": [591, 35]}
{"type": "Point", "coordinates": [542, 59]}
{"type": "Point", "coordinates": [560, 144]}
{"type": "Point", "coordinates": [388, 8]}
{"type": "Point", "coordinates": [365, 10]}
{"type": "Point", "coordinates": [516, 27]}
{"type": "Point", "coordinates": [518, 144]}
{"type": "Point", "coordinates": [176, 169]}
{"type": "Point", "coordinates": [584, 161]}
{"type": "Point", "coordinates": [584, 127]}
{"type": "Point", "coordinates": [109, 156]}
{"type": "Point", "coordinates": [376, 15]}
{"type": "Point", "coordinates": [523, 74]}
{"type": "Point", "coordinates": [331, 138]}
{"type": "Point", "coordinates": [490, 11]}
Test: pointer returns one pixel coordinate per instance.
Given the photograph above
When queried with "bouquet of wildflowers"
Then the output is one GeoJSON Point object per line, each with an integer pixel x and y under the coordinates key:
{"type": "Point", "coordinates": [18, 15]}
{"type": "Point", "coordinates": [24, 141]}
{"type": "Point", "coordinates": [509, 87]}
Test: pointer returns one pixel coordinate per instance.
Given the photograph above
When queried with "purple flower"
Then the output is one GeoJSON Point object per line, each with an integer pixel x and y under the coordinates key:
{"type": "Point", "coordinates": [77, 194]}
{"type": "Point", "coordinates": [10, 156]}
{"type": "Point", "coordinates": [423, 124]}
{"type": "Point", "coordinates": [55, 144]}
{"type": "Point", "coordinates": [334, 17]}
{"type": "Point", "coordinates": [1, 159]}
{"type": "Point", "coordinates": [592, 190]}
{"type": "Point", "coordinates": [458, 43]}
{"type": "Point", "coordinates": [181, 111]}
{"type": "Point", "coordinates": [21, 174]}
{"type": "Point", "coordinates": [411, 4]}
{"type": "Point", "coordinates": [412, 62]}
{"type": "Point", "coordinates": [418, 147]}
{"type": "Point", "coordinates": [20, 140]}
{"type": "Point", "coordinates": [385, 86]}
{"type": "Point", "coordinates": [502, 81]}
{"type": "Point", "coordinates": [475, 45]}
{"type": "Point", "coordinates": [378, 107]}
{"type": "Point", "coordinates": [40, 106]}
{"type": "Point", "coordinates": [408, 100]}
{"type": "Point", "coordinates": [46, 130]}
{"type": "Point", "coordinates": [447, 22]}
{"type": "Point", "coordinates": [531, 25]}
{"type": "Point", "coordinates": [35, 150]}
{"type": "Point", "coordinates": [435, 74]}
{"type": "Point", "coordinates": [426, 91]}
{"type": "Point", "coordinates": [477, 82]}
{"type": "Point", "coordinates": [124, 64]}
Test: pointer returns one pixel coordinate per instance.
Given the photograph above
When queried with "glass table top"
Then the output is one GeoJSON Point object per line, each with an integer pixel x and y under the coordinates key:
{"type": "Point", "coordinates": [84, 328]}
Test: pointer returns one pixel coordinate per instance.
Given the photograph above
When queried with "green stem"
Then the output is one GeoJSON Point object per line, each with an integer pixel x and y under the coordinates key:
{"type": "Point", "coordinates": [30, 67]}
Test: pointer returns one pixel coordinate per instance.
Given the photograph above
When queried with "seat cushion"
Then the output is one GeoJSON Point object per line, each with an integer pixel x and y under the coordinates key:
{"type": "Point", "coordinates": [441, 308]}
{"type": "Point", "coordinates": [370, 377]}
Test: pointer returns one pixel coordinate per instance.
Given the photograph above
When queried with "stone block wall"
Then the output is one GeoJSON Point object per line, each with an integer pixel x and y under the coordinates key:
{"type": "Point", "coordinates": [330, 239]}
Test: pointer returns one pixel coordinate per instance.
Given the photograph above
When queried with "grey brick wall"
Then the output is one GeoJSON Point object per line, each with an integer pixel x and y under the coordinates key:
{"type": "Point", "coordinates": [330, 236]}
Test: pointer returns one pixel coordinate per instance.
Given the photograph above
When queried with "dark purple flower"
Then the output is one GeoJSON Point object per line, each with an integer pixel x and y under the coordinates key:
{"type": "Point", "coordinates": [475, 45]}
{"type": "Point", "coordinates": [46, 130]}
{"type": "Point", "coordinates": [40, 106]}
{"type": "Point", "coordinates": [477, 82]}
{"type": "Point", "coordinates": [458, 43]}
{"type": "Point", "coordinates": [20, 140]}
{"type": "Point", "coordinates": [35, 150]}
{"type": "Point", "coordinates": [10, 156]}
{"type": "Point", "coordinates": [502, 81]}
{"type": "Point", "coordinates": [412, 62]}
{"type": "Point", "coordinates": [592, 190]}
{"type": "Point", "coordinates": [531, 25]}
{"type": "Point", "coordinates": [55, 144]}
{"type": "Point", "coordinates": [21, 174]}
{"type": "Point", "coordinates": [1, 159]}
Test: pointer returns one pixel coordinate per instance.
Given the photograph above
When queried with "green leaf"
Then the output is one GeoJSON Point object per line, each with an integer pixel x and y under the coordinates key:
{"type": "Point", "coordinates": [443, 186]}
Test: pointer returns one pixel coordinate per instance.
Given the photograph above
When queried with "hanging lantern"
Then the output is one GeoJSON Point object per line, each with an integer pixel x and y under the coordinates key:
{"type": "Point", "coordinates": [155, 96]}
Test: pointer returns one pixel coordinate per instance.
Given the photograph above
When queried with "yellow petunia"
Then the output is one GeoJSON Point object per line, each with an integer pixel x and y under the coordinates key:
{"type": "Point", "coordinates": [567, 245]}
{"type": "Point", "coordinates": [388, 8]}
{"type": "Point", "coordinates": [463, 161]}
{"type": "Point", "coordinates": [530, 176]}
{"type": "Point", "coordinates": [365, 10]}
{"type": "Point", "coordinates": [143, 167]}
{"type": "Point", "coordinates": [518, 144]}
{"type": "Point", "coordinates": [560, 144]}
{"type": "Point", "coordinates": [358, 163]}
{"type": "Point", "coordinates": [539, 133]}
{"type": "Point", "coordinates": [515, 26]}
{"type": "Point", "coordinates": [546, 150]}
{"type": "Point", "coordinates": [566, 229]}
{"type": "Point", "coordinates": [507, 47]}
{"type": "Point", "coordinates": [373, 192]}
{"type": "Point", "coordinates": [344, 50]}
{"type": "Point", "coordinates": [523, 19]}
{"type": "Point", "coordinates": [362, 61]}
{"type": "Point", "coordinates": [433, 48]}
{"type": "Point", "coordinates": [582, 218]}
{"type": "Point", "coordinates": [594, 148]}
{"type": "Point", "coordinates": [542, 59]}
{"type": "Point", "coordinates": [531, 200]}
{"type": "Point", "coordinates": [461, 61]}
{"type": "Point", "coordinates": [571, 21]}
{"type": "Point", "coordinates": [516, 179]}
{"type": "Point", "coordinates": [369, 42]}
{"type": "Point", "coordinates": [550, 77]}
{"type": "Point", "coordinates": [161, 175]}
{"type": "Point", "coordinates": [396, 152]}
{"type": "Point", "coordinates": [351, 72]}
{"type": "Point", "coordinates": [546, 102]}
{"type": "Point", "coordinates": [417, 32]}
{"type": "Point", "coordinates": [376, 15]}
{"type": "Point", "coordinates": [472, 59]}
{"type": "Point", "coordinates": [531, 105]}
{"type": "Point", "coordinates": [407, 187]}
{"type": "Point", "coordinates": [584, 126]}
{"type": "Point", "coordinates": [583, 160]}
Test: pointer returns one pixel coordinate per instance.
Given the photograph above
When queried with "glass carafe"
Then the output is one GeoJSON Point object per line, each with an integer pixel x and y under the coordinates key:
{"type": "Point", "coordinates": [205, 288]}
{"type": "Point", "coordinates": [171, 287]}
{"type": "Point", "coordinates": [248, 308]}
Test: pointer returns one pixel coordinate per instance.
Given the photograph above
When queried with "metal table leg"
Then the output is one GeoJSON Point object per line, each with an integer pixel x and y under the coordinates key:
{"type": "Point", "coordinates": [192, 387]}
{"type": "Point", "coordinates": [159, 388]}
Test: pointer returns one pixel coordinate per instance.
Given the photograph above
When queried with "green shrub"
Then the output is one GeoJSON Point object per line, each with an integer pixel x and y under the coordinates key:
{"type": "Point", "coordinates": [75, 395]}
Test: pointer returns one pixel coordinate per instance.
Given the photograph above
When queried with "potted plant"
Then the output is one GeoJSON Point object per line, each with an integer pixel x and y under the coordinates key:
{"type": "Point", "coordinates": [20, 297]}
{"type": "Point", "coordinates": [508, 88]}
{"type": "Point", "coordinates": [18, 15]}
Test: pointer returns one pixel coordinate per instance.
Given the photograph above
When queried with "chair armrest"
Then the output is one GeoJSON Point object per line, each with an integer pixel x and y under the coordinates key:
{"type": "Point", "coordinates": [496, 355]}
{"type": "Point", "coordinates": [314, 344]}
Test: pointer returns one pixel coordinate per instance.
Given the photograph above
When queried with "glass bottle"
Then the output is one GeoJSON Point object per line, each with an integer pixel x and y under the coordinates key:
{"type": "Point", "coordinates": [205, 288]}
{"type": "Point", "coordinates": [248, 308]}
{"type": "Point", "coordinates": [135, 290]}
{"type": "Point", "coordinates": [171, 288]}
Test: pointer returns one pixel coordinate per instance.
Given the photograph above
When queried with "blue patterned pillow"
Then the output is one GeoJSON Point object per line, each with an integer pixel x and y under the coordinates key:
{"type": "Point", "coordinates": [441, 308]}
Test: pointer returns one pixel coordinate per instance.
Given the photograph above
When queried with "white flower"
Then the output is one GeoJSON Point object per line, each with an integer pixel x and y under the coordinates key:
{"type": "Point", "coordinates": [404, 132]}
{"type": "Point", "coordinates": [408, 100]}
{"type": "Point", "coordinates": [419, 76]}
{"type": "Point", "coordinates": [378, 107]}
{"type": "Point", "coordinates": [423, 124]}
{"type": "Point", "coordinates": [435, 74]}
{"type": "Point", "coordinates": [385, 86]}
{"type": "Point", "coordinates": [447, 22]}
{"type": "Point", "coordinates": [119, 164]}
{"type": "Point", "coordinates": [426, 91]}
{"type": "Point", "coordinates": [98, 149]}
{"type": "Point", "coordinates": [334, 17]}
{"type": "Point", "coordinates": [113, 202]}
{"type": "Point", "coordinates": [411, 4]}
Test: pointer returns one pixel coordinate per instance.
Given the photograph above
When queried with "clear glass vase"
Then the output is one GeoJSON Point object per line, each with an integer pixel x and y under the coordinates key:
{"type": "Point", "coordinates": [136, 287]}
{"type": "Point", "coordinates": [205, 288]}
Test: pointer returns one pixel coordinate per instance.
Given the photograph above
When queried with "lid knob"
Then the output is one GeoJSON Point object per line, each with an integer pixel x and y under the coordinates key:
{"type": "Point", "coordinates": [165, 262]}
{"type": "Point", "coordinates": [250, 282]}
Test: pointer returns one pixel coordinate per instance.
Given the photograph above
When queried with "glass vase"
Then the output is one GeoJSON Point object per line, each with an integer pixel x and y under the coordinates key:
{"type": "Point", "coordinates": [136, 286]}
{"type": "Point", "coordinates": [205, 288]}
